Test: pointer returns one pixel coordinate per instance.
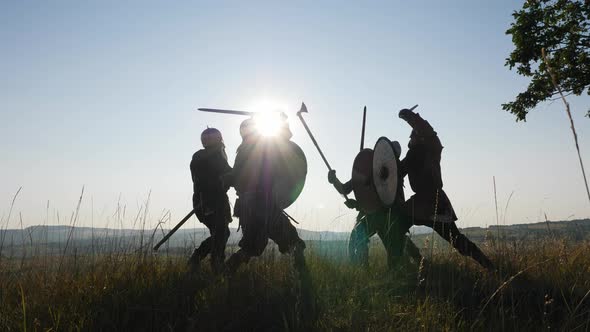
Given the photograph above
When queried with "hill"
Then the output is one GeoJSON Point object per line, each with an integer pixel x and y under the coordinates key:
{"type": "Point", "coordinates": [59, 239]}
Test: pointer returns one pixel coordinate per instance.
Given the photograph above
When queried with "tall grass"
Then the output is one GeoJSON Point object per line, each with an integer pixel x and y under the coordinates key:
{"type": "Point", "coordinates": [118, 283]}
{"type": "Point", "coordinates": [544, 286]}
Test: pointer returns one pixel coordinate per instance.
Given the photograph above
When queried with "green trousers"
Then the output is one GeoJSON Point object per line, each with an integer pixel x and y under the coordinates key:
{"type": "Point", "coordinates": [389, 225]}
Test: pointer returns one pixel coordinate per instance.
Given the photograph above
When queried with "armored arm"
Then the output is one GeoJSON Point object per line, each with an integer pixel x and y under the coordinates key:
{"type": "Point", "coordinates": [196, 187]}
{"type": "Point", "coordinates": [346, 188]}
{"type": "Point", "coordinates": [420, 126]}
{"type": "Point", "coordinates": [342, 188]}
{"type": "Point", "coordinates": [227, 174]}
{"type": "Point", "coordinates": [422, 132]}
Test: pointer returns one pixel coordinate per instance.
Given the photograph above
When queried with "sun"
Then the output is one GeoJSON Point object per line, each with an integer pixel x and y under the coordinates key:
{"type": "Point", "coordinates": [268, 123]}
{"type": "Point", "coordinates": [268, 118]}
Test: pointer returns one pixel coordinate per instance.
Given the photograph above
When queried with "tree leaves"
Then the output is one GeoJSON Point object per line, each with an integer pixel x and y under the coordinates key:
{"type": "Point", "coordinates": [562, 28]}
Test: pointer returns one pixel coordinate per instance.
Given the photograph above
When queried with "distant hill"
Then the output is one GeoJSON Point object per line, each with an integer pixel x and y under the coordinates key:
{"type": "Point", "coordinates": [575, 230]}
{"type": "Point", "coordinates": [53, 239]}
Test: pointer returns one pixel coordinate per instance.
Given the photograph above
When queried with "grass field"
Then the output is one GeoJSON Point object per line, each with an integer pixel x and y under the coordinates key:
{"type": "Point", "coordinates": [541, 285]}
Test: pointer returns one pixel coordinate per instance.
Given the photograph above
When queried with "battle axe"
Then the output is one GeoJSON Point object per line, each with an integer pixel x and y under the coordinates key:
{"type": "Point", "coordinates": [299, 115]}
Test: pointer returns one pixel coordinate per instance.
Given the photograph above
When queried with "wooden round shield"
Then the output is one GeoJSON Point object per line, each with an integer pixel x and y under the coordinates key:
{"type": "Point", "coordinates": [290, 171]}
{"type": "Point", "coordinates": [362, 182]}
{"type": "Point", "coordinates": [385, 175]}
{"type": "Point", "coordinates": [273, 168]}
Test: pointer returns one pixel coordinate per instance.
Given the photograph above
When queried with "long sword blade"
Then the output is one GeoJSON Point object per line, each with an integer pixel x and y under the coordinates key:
{"type": "Point", "coordinates": [188, 216]}
{"type": "Point", "coordinates": [215, 110]}
{"type": "Point", "coordinates": [363, 128]}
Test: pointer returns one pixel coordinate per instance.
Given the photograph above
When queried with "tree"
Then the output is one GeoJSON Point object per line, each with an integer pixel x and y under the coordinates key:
{"type": "Point", "coordinates": [561, 27]}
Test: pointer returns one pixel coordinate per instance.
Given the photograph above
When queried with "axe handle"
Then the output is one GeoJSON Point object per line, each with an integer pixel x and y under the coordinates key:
{"type": "Point", "coordinates": [316, 144]}
{"type": "Point", "coordinates": [188, 216]}
{"type": "Point", "coordinates": [314, 141]}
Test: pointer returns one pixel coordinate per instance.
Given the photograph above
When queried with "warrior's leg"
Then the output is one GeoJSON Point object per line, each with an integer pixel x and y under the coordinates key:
{"type": "Point", "coordinates": [412, 250]}
{"type": "Point", "coordinates": [205, 247]}
{"type": "Point", "coordinates": [202, 250]}
{"type": "Point", "coordinates": [236, 260]}
{"type": "Point", "coordinates": [252, 244]}
{"type": "Point", "coordinates": [450, 232]}
{"type": "Point", "coordinates": [284, 234]}
{"type": "Point", "coordinates": [358, 245]}
{"type": "Point", "coordinates": [392, 227]}
{"type": "Point", "coordinates": [219, 236]}
{"type": "Point", "coordinates": [200, 253]}
{"type": "Point", "coordinates": [394, 242]}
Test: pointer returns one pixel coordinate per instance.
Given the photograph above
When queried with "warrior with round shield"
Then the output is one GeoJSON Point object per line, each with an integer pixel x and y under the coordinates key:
{"type": "Point", "coordinates": [210, 201]}
{"type": "Point", "coordinates": [430, 206]}
{"type": "Point", "coordinates": [268, 175]}
{"type": "Point", "coordinates": [379, 195]}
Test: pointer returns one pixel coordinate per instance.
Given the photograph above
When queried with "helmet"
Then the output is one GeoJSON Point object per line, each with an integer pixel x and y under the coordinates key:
{"type": "Point", "coordinates": [247, 128]}
{"type": "Point", "coordinates": [284, 131]}
{"type": "Point", "coordinates": [211, 137]}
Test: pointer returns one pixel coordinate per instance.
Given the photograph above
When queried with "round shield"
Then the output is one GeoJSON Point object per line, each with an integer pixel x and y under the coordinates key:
{"type": "Point", "coordinates": [362, 182]}
{"type": "Point", "coordinates": [290, 170]}
{"type": "Point", "coordinates": [385, 172]}
{"type": "Point", "coordinates": [271, 167]}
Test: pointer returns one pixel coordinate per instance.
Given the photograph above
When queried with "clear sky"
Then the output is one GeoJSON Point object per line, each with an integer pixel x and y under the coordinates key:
{"type": "Point", "coordinates": [103, 94]}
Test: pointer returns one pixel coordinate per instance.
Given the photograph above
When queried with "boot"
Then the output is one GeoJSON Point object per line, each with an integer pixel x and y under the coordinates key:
{"type": "Point", "coordinates": [235, 261]}
{"type": "Point", "coordinates": [194, 262]}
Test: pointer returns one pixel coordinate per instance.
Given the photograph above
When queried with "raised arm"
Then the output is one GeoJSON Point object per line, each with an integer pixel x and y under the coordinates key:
{"type": "Point", "coordinates": [342, 188]}
{"type": "Point", "coordinates": [420, 126]}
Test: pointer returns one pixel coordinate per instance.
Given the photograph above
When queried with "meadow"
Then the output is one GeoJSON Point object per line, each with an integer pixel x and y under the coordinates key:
{"type": "Point", "coordinates": [541, 284]}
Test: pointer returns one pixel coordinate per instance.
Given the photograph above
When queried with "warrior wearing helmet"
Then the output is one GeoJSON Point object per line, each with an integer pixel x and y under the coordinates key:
{"type": "Point", "coordinates": [210, 201]}
{"type": "Point", "coordinates": [430, 206]}
{"type": "Point", "coordinates": [259, 164]}
{"type": "Point", "coordinates": [385, 222]}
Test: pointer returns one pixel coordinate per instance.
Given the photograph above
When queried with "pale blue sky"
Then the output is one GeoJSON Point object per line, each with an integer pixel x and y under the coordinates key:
{"type": "Point", "coordinates": [104, 95]}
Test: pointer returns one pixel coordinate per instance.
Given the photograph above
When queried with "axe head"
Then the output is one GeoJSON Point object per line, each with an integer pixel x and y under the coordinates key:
{"type": "Point", "coordinates": [303, 109]}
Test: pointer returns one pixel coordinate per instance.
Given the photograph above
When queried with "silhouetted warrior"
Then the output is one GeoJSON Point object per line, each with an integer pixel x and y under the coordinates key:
{"type": "Point", "coordinates": [386, 223]}
{"type": "Point", "coordinates": [210, 201]}
{"type": "Point", "coordinates": [260, 217]}
{"type": "Point", "coordinates": [430, 206]}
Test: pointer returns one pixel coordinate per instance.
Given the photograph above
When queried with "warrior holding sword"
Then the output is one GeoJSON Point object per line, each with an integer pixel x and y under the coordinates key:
{"type": "Point", "coordinates": [379, 197]}
{"type": "Point", "coordinates": [430, 206]}
{"type": "Point", "coordinates": [210, 201]}
{"type": "Point", "coordinates": [268, 175]}
{"type": "Point", "coordinates": [386, 222]}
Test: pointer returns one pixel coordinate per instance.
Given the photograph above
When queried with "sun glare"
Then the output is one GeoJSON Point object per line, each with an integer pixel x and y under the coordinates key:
{"type": "Point", "coordinates": [268, 124]}
{"type": "Point", "coordinates": [268, 119]}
